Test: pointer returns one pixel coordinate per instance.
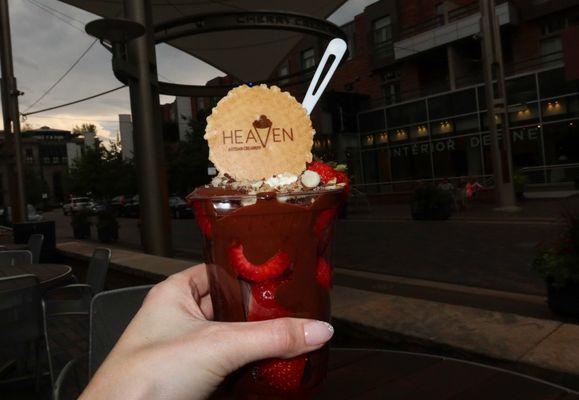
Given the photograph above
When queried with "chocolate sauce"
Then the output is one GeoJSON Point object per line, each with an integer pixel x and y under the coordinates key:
{"type": "Point", "coordinates": [265, 228]}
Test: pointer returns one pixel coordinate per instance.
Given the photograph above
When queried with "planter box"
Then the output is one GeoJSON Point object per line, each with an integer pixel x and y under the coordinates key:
{"type": "Point", "coordinates": [564, 300]}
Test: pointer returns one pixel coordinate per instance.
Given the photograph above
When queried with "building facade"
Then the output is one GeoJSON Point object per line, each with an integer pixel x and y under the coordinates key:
{"type": "Point", "coordinates": [47, 156]}
{"type": "Point", "coordinates": [408, 104]}
{"type": "Point", "coordinates": [411, 92]}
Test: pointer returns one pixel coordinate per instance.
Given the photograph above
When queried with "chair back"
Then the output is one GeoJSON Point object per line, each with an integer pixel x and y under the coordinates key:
{"type": "Point", "coordinates": [110, 313]}
{"type": "Point", "coordinates": [35, 246]}
{"type": "Point", "coordinates": [12, 258]}
{"type": "Point", "coordinates": [97, 269]}
{"type": "Point", "coordinates": [20, 310]}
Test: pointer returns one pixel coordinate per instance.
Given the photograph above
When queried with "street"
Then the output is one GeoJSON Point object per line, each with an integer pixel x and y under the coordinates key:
{"type": "Point", "coordinates": [491, 253]}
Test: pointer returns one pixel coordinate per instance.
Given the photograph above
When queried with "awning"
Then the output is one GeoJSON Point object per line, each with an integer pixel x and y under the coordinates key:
{"type": "Point", "coordinates": [249, 55]}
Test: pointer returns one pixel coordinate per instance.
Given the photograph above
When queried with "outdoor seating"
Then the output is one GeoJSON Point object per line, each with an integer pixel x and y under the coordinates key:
{"type": "Point", "coordinates": [111, 312]}
{"type": "Point", "coordinates": [95, 281]}
{"type": "Point", "coordinates": [21, 327]}
{"type": "Point", "coordinates": [34, 244]}
{"type": "Point", "coordinates": [12, 258]}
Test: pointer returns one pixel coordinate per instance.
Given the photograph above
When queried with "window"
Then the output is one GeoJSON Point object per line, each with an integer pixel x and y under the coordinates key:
{"type": "Point", "coordinates": [350, 32]}
{"type": "Point", "coordinates": [382, 35]}
{"type": "Point", "coordinates": [282, 72]}
{"type": "Point", "coordinates": [29, 156]}
{"type": "Point", "coordinates": [200, 103]}
{"type": "Point", "coordinates": [391, 87]}
{"type": "Point", "coordinates": [382, 30]}
{"type": "Point", "coordinates": [308, 58]}
{"type": "Point", "coordinates": [553, 24]}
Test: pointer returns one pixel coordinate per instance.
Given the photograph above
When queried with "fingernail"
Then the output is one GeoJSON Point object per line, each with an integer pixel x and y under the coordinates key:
{"type": "Point", "coordinates": [318, 332]}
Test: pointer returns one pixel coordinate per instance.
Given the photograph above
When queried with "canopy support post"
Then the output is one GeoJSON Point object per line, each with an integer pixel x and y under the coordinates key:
{"type": "Point", "coordinates": [147, 134]}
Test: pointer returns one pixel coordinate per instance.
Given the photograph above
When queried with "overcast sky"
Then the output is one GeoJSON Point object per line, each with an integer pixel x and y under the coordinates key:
{"type": "Point", "coordinates": [44, 47]}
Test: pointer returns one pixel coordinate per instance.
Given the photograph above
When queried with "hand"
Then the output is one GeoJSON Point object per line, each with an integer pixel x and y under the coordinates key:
{"type": "Point", "coordinates": [171, 350]}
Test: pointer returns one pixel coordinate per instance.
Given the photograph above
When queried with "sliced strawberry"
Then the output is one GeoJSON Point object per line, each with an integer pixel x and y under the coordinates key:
{"type": "Point", "coordinates": [324, 273]}
{"type": "Point", "coordinates": [281, 375]}
{"type": "Point", "coordinates": [343, 178]}
{"type": "Point", "coordinates": [202, 219]}
{"type": "Point", "coordinates": [324, 218]}
{"type": "Point", "coordinates": [264, 304]}
{"type": "Point", "coordinates": [326, 172]}
{"type": "Point", "coordinates": [272, 268]}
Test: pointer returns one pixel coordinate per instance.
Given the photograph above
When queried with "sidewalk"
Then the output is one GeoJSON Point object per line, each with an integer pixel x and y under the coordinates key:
{"type": "Point", "coordinates": [538, 346]}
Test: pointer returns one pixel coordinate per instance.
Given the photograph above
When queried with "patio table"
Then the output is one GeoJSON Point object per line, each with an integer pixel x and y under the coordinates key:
{"type": "Point", "coordinates": [382, 374]}
{"type": "Point", "coordinates": [49, 275]}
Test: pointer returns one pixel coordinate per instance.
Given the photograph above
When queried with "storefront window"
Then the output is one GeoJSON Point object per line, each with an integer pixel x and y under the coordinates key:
{"type": "Point", "coordinates": [406, 114]}
{"type": "Point", "coordinates": [560, 108]}
{"type": "Point", "coordinates": [526, 147]}
{"type": "Point", "coordinates": [523, 115]}
{"type": "Point", "coordinates": [411, 161]}
{"type": "Point", "coordinates": [456, 103]}
{"type": "Point", "coordinates": [371, 121]}
{"type": "Point", "coordinates": [521, 90]}
{"type": "Point", "coordinates": [561, 142]}
{"type": "Point", "coordinates": [457, 156]}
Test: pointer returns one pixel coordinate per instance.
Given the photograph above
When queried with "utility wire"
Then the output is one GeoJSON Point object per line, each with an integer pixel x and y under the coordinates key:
{"type": "Point", "coordinates": [43, 8]}
{"type": "Point", "coordinates": [25, 114]}
{"type": "Point", "coordinates": [54, 10]}
{"type": "Point", "coordinates": [74, 64]}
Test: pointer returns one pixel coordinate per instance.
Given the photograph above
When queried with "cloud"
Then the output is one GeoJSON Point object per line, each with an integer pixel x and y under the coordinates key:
{"type": "Point", "coordinates": [44, 47]}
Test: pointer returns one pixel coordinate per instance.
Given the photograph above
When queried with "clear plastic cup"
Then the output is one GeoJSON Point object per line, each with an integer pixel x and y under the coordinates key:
{"type": "Point", "coordinates": [268, 256]}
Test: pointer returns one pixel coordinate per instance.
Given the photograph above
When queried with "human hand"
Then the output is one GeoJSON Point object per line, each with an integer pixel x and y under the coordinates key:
{"type": "Point", "coordinates": [171, 350]}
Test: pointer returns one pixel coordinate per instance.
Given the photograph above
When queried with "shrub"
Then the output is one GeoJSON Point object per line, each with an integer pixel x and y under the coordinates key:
{"type": "Point", "coordinates": [431, 203]}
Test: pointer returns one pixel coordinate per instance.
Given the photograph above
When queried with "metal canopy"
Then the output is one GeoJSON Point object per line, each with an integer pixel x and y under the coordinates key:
{"type": "Point", "coordinates": [251, 56]}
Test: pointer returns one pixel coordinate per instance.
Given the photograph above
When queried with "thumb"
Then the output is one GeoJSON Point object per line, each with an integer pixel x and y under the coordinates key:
{"type": "Point", "coordinates": [245, 342]}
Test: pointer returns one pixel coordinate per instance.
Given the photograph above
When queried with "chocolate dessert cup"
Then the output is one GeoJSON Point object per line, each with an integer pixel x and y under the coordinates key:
{"type": "Point", "coordinates": [268, 256]}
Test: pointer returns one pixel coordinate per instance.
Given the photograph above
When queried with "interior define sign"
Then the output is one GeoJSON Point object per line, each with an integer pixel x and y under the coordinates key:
{"type": "Point", "coordinates": [439, 146]}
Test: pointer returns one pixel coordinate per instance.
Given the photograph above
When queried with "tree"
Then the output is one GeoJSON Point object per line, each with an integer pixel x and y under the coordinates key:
{"type": "Point", "coordinates": [187, 161]}
{"type": "Point", "coordinates": [84, 128]}
{"type": "Point", "coordinates": [103, 173]}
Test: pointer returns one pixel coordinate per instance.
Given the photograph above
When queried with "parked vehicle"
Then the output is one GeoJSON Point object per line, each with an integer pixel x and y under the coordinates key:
{"type": "Point", "coordinates": [96, 207]}
{"type": "Point", "coordinates": [179, 208]}
{"type": "Point", "coordinates": [32, 215]}
{"type": "Point", "coordinates": [76, 204]}
{"type": "Point", "coordinates": [132, 207]}
{"type": "Point", "coordinates": [117, 205]}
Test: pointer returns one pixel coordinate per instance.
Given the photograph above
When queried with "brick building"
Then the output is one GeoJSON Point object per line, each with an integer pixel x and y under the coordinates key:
{"type": "Point", "coordinates": [409, 102]}
{"type": "Point", "coordinates": [47, 155]}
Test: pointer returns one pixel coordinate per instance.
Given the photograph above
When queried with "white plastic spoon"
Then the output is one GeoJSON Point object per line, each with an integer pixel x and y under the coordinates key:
{"type": "Point", "coordinates": [337, 48]}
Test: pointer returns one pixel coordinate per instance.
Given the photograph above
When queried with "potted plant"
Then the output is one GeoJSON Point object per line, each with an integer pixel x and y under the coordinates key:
{"type": "Point", "coordinates": [519, 184]}
{"type": "Point", "coordinates": [558, 263]}
{"type": "Point", "coordinates": [80, 222]}
{"type": "Point", "coordinates": [431, 203]}
{"type": "Point", "coordinates": [107, 227]}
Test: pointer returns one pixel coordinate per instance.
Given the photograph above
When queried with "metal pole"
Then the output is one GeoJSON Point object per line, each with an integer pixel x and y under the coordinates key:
{"type": "Point", "coordinates": [11, 116]}
{"type": "Point", "coordinates": [147, 134]}
{"type": "Point", "coordinates": [496, 105]}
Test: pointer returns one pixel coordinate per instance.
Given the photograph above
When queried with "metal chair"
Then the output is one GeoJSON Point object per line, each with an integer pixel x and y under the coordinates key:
{"type": "Point", "coordinates": [21, 322]}
{"type": "Point", "coordinates": [95, 282]}
{"type": "Point", "coordinates": [12, 258]}
{"type": "Point", "coordinates": [111, 312]}
{"type": "Point", "coordinates": [35, 246]}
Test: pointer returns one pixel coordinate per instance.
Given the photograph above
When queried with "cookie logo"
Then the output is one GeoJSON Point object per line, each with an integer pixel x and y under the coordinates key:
{"type": "Point", "coordinates": [257, 132]}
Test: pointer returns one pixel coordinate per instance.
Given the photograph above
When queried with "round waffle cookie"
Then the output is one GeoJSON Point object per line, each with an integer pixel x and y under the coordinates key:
{"type": "Point", "coordinates": [256, 132]}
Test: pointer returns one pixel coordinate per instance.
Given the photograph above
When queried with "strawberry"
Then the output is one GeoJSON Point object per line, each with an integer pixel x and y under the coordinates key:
{"type": "Point", "coordinates": [326, 172]}
{"type": "Point", "coordinates": [343, 178]}
{"type": "Point", "coordinates": [272, 268]}
{"type": "Point", "coordinates": [324, 273]}
{"type": "Point", "coordinates": [202, 219]}
{"type": "Point", "coordinates": [281, 375]}
{"type": "Point", "coordinates": [264, 305]}
{"type": "Point", "coordinates": [323, 220]}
